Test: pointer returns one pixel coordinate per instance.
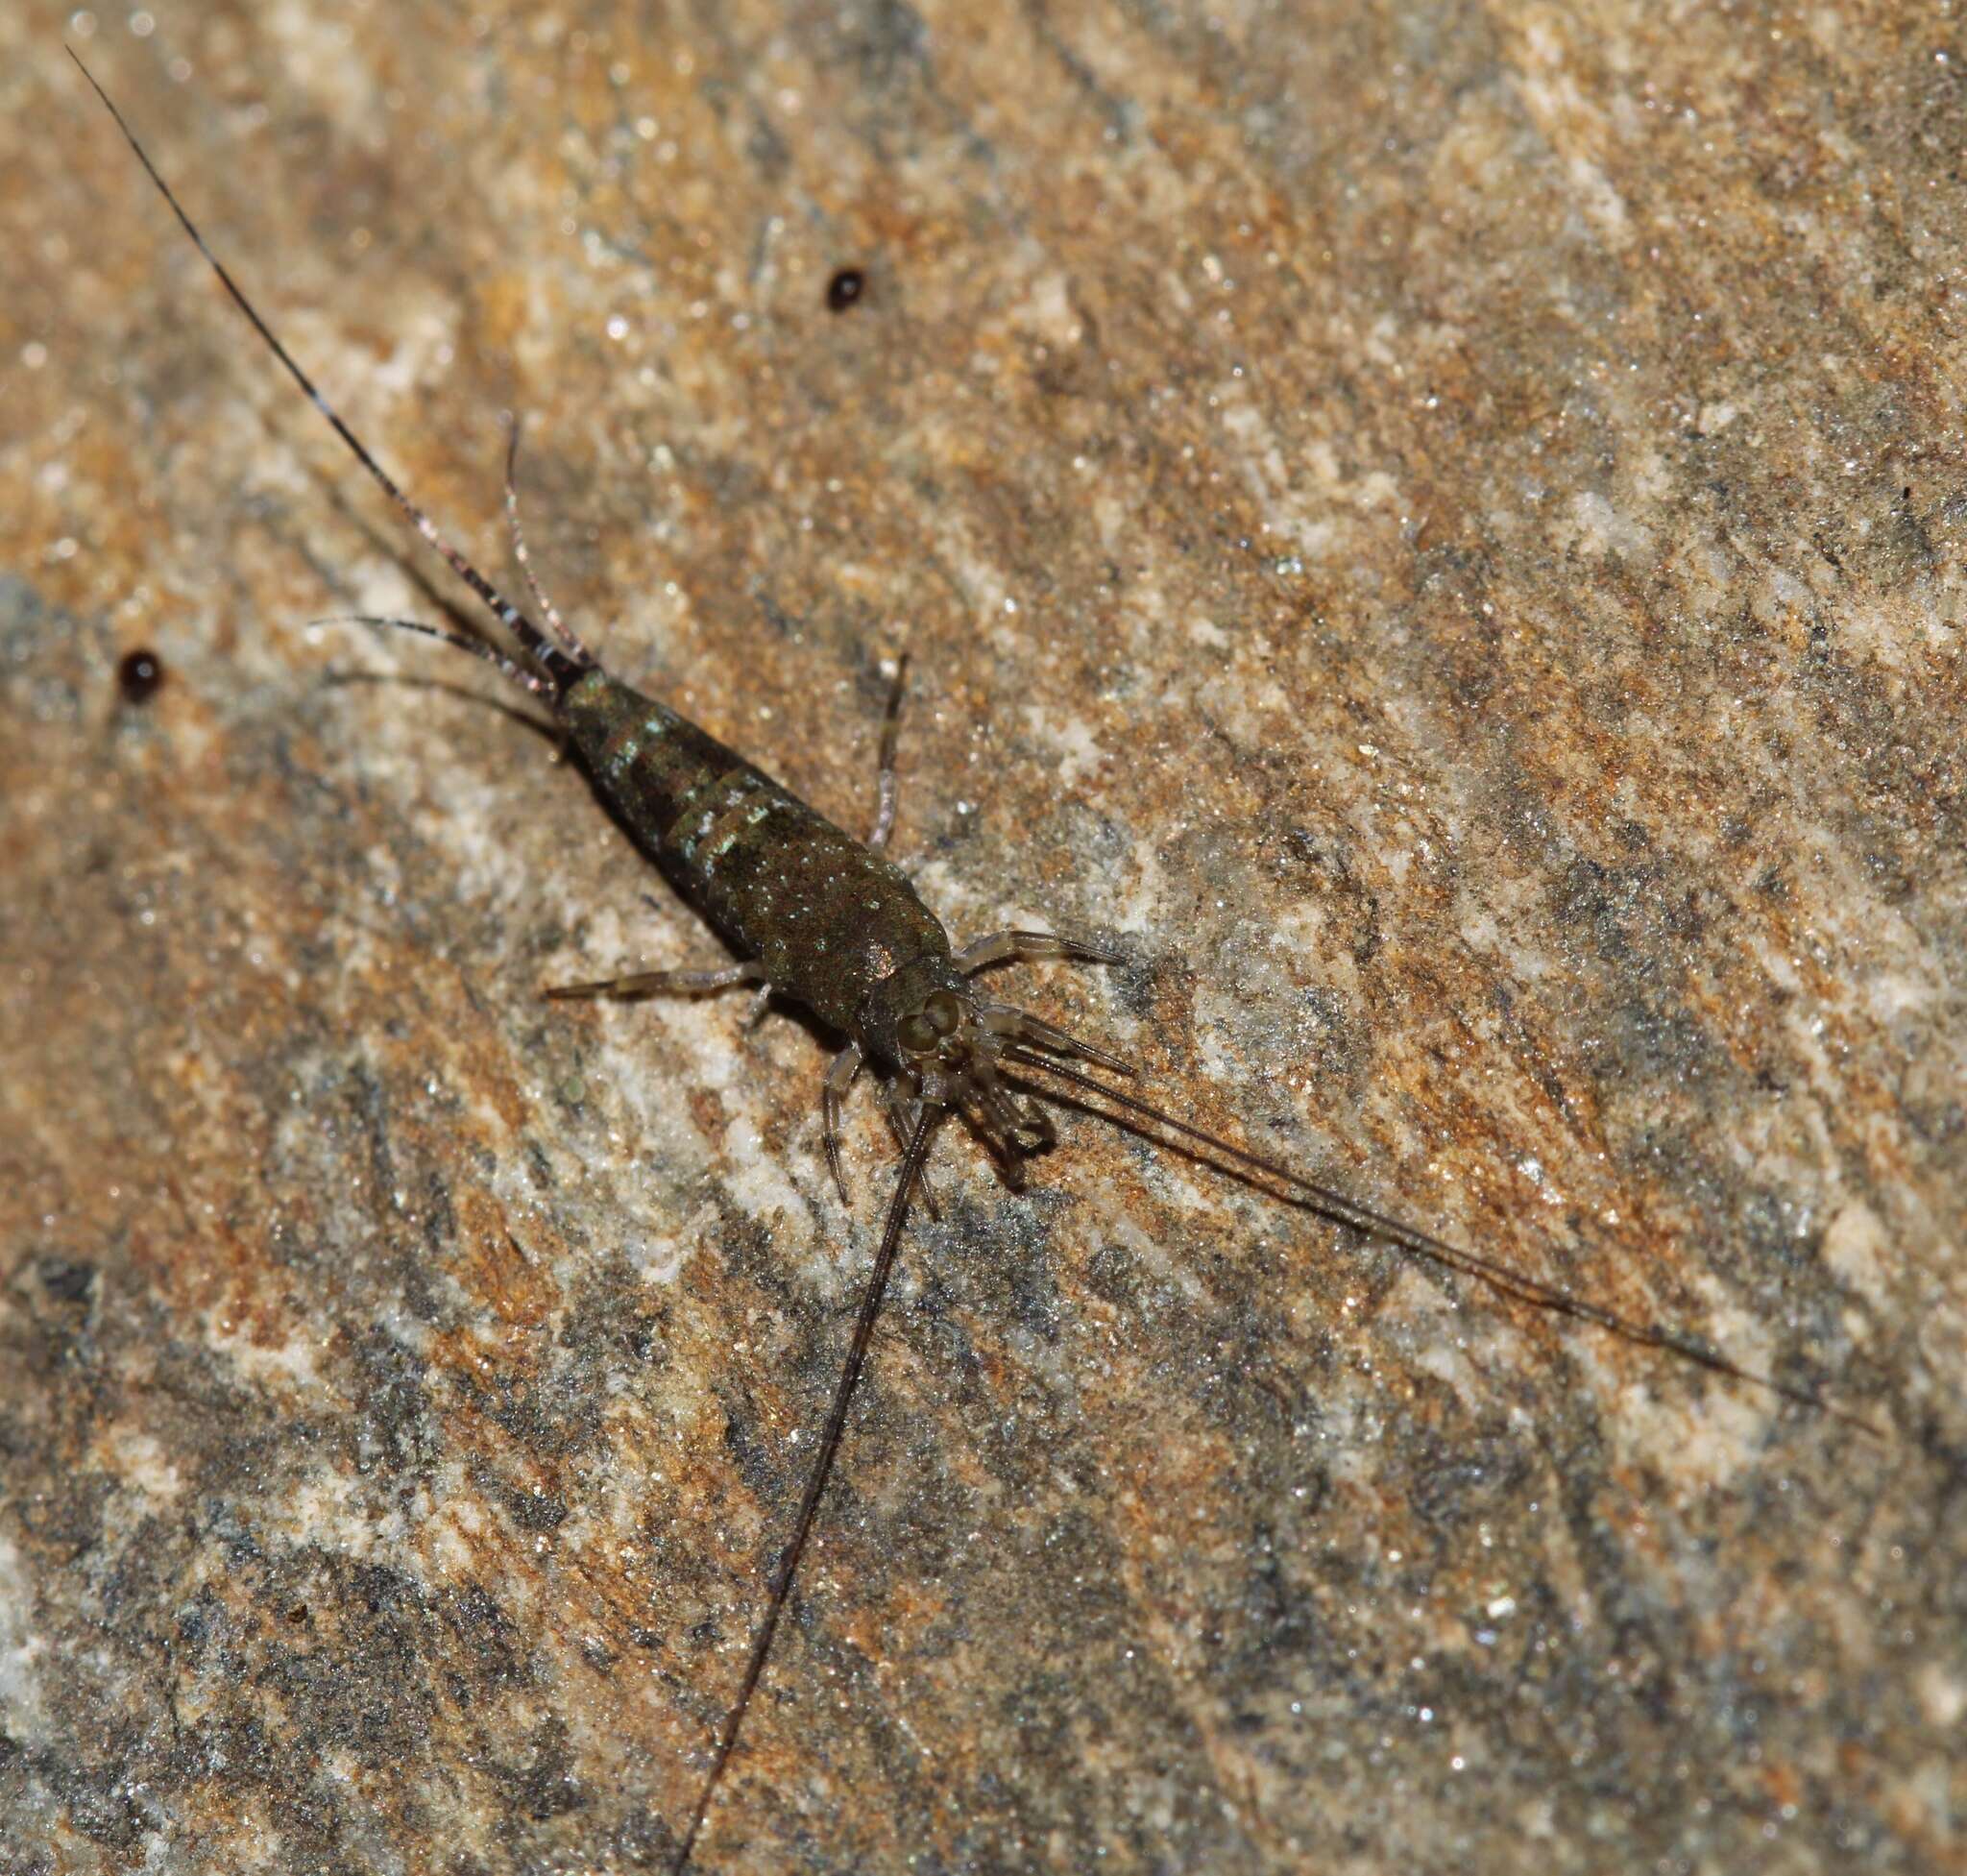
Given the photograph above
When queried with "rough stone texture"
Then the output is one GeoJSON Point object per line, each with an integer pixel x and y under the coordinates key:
{"type": "Point", "coordinates": [1440, 525]}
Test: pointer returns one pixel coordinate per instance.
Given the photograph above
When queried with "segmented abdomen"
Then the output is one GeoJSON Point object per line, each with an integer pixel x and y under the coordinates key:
{"type": "Point", "coordinates": [825, 915]}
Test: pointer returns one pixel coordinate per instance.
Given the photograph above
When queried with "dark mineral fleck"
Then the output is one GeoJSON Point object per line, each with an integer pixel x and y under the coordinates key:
{"type": "Point", "coordinates": [139, 676]}
{"type": "Point", "coordinates": [844, 288]}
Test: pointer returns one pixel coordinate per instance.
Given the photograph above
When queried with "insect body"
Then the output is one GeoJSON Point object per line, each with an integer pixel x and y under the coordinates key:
{"type": "Point", "coordinates": [818, 917]}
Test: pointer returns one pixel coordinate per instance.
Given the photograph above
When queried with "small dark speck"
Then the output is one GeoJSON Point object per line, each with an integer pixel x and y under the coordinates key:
{"type": "Point", "coordinates": [139, 676]}
{"type": "Point", "coordinates": [844, 288]}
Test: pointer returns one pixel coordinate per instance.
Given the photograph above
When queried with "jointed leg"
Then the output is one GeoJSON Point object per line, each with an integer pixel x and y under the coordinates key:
{"type": "Point", "coordinates": [839, 1078]}
{"type": "Point", "coordinates": [664, 983]}
{"type": "Point", "coordinates": [1000, 947]}
{"type": "Point", "coordinates": [562, 629]}
{"type": "Point", "coordinates": [903, 1117]}
{"type": "Point", "coordinates": [885, 788]}
{"type": "Point", "coordinates": [1021, 1026]}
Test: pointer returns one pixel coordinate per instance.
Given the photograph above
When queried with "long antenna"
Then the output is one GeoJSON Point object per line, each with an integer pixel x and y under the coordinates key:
{"type": "Point", "coordinates": [822, 1469]}
{"type": "Point", "coordinates": [1335, 1205]}
{"type": "Point", "coordinates": [561, 669]}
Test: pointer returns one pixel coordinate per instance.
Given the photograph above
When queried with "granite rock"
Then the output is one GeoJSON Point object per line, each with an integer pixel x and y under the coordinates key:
{"type": "Point", "coordinates": [1436, 528]}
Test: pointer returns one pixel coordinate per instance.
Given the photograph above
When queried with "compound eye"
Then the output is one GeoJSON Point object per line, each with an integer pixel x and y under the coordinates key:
{"type": "Point", "coordinates": [916, 1034]}
{"type": "Point", "coordinates": [944, 1013]}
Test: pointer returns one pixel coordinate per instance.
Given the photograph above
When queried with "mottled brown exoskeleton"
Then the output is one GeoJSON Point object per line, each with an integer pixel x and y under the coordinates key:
{"type": "Point", "coordinates": [827, 921]}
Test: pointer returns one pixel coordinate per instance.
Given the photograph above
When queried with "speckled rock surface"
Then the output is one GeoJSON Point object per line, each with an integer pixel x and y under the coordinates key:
{"type": "Point", "coordinates": [1438, 526]}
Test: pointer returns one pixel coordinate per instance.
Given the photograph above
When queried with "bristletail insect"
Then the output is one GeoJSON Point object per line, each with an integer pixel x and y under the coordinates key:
{"type": "Point", "coordinates": [825, 920]}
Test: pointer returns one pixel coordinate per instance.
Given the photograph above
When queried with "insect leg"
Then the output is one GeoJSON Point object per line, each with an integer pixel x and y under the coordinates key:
{"type": "Point", "coordinates": [565, 632]}
{"type": "Point", "coordinates": [1330, 1202]}
{"type": "Point", "coordinates": [839, 1078]}
{"type": "Point", "coordinates": [662, 983]}
{"type": "Point", "coordinates": [1008, 1019]}
{"type": "Point", "coordinates": [999, 947]}
{"type": "Point", "coordinates": [902, 1117]}
{"type": "Point", "coordinates": [912, 1160]}
{"type": "Point", "coordinates": [1019, 1130]}
{"type": "Point", "coordinates": [886, 787]}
